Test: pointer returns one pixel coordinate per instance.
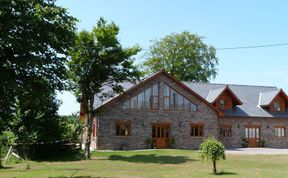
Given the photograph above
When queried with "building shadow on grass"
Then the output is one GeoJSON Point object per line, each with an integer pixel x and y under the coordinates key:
{"type": "Point", "coordinates": [152, 158]}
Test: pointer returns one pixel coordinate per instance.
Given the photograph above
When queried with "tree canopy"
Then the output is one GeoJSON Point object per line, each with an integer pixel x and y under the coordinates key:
{"type": "Point", "coordinates": [184, 56]}
{"type": "Point", "coordinates": [98, 59]}
{"type": "Point", "coordinates": [34, 39]}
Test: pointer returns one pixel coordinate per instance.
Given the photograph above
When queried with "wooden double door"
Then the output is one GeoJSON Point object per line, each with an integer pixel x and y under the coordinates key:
{"type": "Point", "coordinates": [252, 135]}
{"type": "Point", "coordinates": [161, 135]}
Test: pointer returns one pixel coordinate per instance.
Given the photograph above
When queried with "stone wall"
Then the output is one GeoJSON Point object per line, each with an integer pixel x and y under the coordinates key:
{"type": "Point", "coordinates": [267, 131]}
{"type": "Point", "coordinates": [141, 121]}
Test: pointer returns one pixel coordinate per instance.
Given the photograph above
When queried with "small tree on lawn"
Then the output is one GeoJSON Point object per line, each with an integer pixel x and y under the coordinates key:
{"type": "Point", "coordinates": [212, 150]}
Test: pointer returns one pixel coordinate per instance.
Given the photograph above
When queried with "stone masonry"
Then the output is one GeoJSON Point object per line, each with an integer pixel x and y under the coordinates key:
{"type": "Point", "coordinates": [142, 120]}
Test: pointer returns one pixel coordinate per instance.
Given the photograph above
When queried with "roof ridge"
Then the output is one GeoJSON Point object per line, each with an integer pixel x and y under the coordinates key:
{"type": "Point", "coordinates": [227, 84]}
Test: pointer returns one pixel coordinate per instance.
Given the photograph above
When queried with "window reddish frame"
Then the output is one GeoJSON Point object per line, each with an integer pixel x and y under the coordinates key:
{"type": "Point", "coordinates": [197, 130]}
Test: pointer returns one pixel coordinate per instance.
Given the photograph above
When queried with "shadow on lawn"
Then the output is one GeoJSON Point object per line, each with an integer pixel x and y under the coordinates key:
{"type": "Point", "coordinates": [65, 157]}
{"type": "Point", "coordinates": [77, 177]}
{"type": "Point", "coordinates": [152, 158]}
{"type": "Point", "coordinates": [225, 173]}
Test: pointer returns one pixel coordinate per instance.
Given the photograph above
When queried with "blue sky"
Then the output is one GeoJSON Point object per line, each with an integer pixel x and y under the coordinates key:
{"type": "Point", "coordinates": [222, 23]}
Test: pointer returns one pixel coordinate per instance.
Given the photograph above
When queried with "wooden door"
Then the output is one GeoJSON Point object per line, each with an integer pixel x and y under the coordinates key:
{"type": "Point", "coordinates": [161, 136]}
{"type": "Point", "coordinates": [252, 135]}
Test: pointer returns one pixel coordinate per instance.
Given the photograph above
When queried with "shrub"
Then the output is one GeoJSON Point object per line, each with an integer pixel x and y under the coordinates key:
{"type": "Point", "coordinates": [212, 150]}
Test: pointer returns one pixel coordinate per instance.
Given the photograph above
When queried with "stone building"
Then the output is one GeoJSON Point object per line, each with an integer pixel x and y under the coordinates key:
{"type": "Point", "coordinates": [162, 112]}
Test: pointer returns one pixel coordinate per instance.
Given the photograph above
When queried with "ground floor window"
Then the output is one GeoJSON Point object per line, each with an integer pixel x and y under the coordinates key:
{"type": "Point", "coordinates": [197, 130]}
{"type": "Point", "coordinates": [280, 131]}
{"type": "Point", "coordinates": [225, 131]}
{"type": "Point", "coordinates": [123, 128]}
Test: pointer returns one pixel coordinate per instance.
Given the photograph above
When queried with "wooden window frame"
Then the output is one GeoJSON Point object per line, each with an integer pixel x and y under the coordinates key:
{"type": "Point", "coordinates": [200, 130]}
{"type": "Point", "coordinates": [151, 98]}
{"type": "Point", "coordinates": [225, 127]}
{"type": "Point", "coordinates": [278, 109]}
{"type": "Point", "coordinates": [176, 100]}
{"type": "Point", "coordinates": [120, 124]}
{"type": "Point", "coordinates": [224, 104]}
{"type": "Point", "coordinates": [276, 133]}
{"type": "Point", "coordinates": [154, 96]}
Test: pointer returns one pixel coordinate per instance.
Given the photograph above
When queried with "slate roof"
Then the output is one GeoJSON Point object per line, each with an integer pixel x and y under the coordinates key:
{"type": "Point", "coordinates": [214, 93]}
{"type": "Point", "coordinates": [248, 94]}
{"type": "Point", "coordinates": [265, 98]}
{"type": "Point", "coordinates": [252, 97]}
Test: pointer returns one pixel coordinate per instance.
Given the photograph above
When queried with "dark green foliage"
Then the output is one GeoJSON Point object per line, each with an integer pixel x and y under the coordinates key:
{"type": "Point", "coordinates": [212, 150]}
{"type": "Point", "coordinates": [34, 39]}
{"type": "Point", "coordinates": [98, 59]}
{"type": "Point", "coordinates": [71, 128]}
{"type": "Point", "coordinates": [184, 56]}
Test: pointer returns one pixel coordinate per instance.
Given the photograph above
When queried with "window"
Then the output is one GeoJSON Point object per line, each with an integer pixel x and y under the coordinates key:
{"type": "Point", "coordinates": [166, 96]}
{"type": "Point", "coordinates": [147, 99]}
{"type": "Point", "coordinates": [126, 104]}
{"type": "Point", "coordinates": [196, 130]}
{"type": "Point", "coordinates": [155, 96]}
{"type": "Point", "coordinates": [134, 102]}
{"type": "Point", "coordinates": [174, 101]}
{"type": "Point", "coordinates": [180, 101]}
{"type": "Point", "coordinates": [222, 104]}
{"type": "Point", "coordinates": [280, 132]}
{"type": "Point", "coordinates": [277, 106]}
{"type": "Point", "coordinates": [141, 103]}
{"type": "Point", "coordinates": [225, 131]}
{"type": "Point", "coordinates": [123, 128]}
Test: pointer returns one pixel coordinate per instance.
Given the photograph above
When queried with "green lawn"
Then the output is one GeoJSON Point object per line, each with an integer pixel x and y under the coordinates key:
{"type": "Point", "coordinates": [153, 163]}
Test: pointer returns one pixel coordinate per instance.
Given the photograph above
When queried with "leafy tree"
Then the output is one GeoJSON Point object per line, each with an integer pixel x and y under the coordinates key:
{"type": "Point", "coordinates": [98, 59]}
{"type": "Point", "coordinates": [71, 127]}
{"type": "Point", "coordinates": [34, 39]}
{"type": "Point", "coordinates": [212, 150]}
{"type": "Point", "coordinates": [183, 55]}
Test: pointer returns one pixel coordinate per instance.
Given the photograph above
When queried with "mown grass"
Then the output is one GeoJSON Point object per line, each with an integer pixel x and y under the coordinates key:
{"type": "Point", "coordinates": [152, 163]}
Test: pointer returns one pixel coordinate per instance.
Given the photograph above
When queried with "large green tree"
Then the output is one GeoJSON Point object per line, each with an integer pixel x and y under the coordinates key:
{"type": "Point", "coordinates": [98, 59]}
{"type": "Point", "coordinates": [183, 55]}
{"type": "Point", "coordinates": [34, 38]}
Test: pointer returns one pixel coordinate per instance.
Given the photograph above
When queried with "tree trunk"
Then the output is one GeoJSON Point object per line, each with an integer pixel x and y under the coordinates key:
{"type": "Point", "coordinates": [89, 129]}
{"type": "Point", "coordinates": [214, 167]}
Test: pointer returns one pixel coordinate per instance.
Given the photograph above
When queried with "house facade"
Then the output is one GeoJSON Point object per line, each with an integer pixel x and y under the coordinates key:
{"type": "Point", "coordinates": [162, 112]}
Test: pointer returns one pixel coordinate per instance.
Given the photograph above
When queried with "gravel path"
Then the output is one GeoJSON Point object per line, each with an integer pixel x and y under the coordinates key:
{"type": "Point", "coordinates": [257, 151]}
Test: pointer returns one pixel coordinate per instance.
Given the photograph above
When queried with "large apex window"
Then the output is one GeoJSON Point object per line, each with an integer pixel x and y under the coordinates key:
{"type": "Point", "coordinates": [174, 101]}
{"type": "Point", "coordinates": [123, 128]}
{"type": "Point", "coordinates": [146, 99]}
{"type": "Point", "coordinates": [197, 130]}
{"type": "Point", "coordinates": [279, 131]}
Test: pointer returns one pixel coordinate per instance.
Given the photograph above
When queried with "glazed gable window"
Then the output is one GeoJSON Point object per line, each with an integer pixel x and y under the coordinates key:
{"type": "Point", "coordinates": [174, 101]}
{"type": "Point", "coordinates": [222, 104]}
{"type": "Point", "coordinates": [225, 131]}
{"type": "Point", "coordinates": [276, 106]}
{"type": "Point", "coordinates": [197, 130]}
{"type": "Point", "coordinates": [123, 128]}
{"type": "Point", "coordinates": [279, 131]}
{"type": "Point", "coordinates": [147, 99]}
